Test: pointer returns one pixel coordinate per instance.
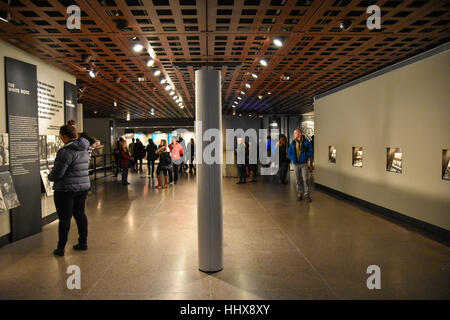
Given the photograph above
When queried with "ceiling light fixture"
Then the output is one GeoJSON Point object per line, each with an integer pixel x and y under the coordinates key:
{"type": "Point", "coordinates": [168, 87]}
{"type": "Point", "coordinates": [172, 93]}
{"type": "Point", "coordinates": [263, 62]}
{"type": "Point", "coordinates": [92, 74]}
{"type": "Point", "coordinates": [239, 98]}
{"type": "Point", "coordinates": [242, 92]}
{"type": "Point", "coordinates": [138, 47]}
{"type": "Point", "coordinates": [248, 85]}
{"type": "Point", "coordinates": [156, 73]}
{"type": "Point", "coordinates": [150, 63]}
{"type": "Point", "coordinates": [115, 104]}
{"type": "Point", "coordinates": [277, 42]}
{"type": "Point", "coordinates": [163, 81]}
{"type": "Point", "coordinates": [254, 75]}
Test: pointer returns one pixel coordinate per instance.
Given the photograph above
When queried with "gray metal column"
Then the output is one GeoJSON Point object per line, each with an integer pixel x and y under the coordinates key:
{"type": "Point", "coordinates": [208, 112]}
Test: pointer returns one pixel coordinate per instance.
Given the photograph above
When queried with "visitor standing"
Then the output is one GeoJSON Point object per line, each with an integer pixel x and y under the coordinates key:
{"type": "Point", "coordinates": [71, 184]}
{"type": "Point", "coordinates": [300, 150]}
{"type": "Point", "coordinates": [125, 159]}
{"type": "Point", "coordinates": [176, 153]}
{"type": "Point", "coordinates": [151, 156]}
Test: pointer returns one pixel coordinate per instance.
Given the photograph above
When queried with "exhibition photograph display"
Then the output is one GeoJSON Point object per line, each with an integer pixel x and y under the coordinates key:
{"type": "Point", "coordinates": [394, 160]}
{"type": "Point", "coordinates": [332, 154]}
{"type": "Point", "coordinates": [357, 157]}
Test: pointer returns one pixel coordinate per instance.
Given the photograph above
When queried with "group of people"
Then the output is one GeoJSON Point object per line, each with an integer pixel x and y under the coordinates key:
{"type": "Point", "coordinates": [173, 159]}
{"type": "Point", "coordinates": [70, 173]}
{"type": "Point", "coordinates": [300, 152]}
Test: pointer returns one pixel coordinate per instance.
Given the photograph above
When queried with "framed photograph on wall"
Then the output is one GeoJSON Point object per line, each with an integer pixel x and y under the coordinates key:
{"type": "Point", "coordinates": [357, 157]}
{"type": "Point", "coordinates": [332, 154]}
{"type": "Point", "coordinates": [394, 160]}
{"type": "Point", "coordinates": [4, 150]}
{"type": "Point", "coordinates": [8, 191]}
{"type": "Point", "coordinates": [446, 164]}
{"type": "Point", "coordinates": [48, 185]}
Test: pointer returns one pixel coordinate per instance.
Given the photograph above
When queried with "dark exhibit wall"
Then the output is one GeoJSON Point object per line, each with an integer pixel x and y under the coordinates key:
{"type": "Point", "coordinates": [35, 100]}
{"type": "Point", "coordinates": [22, 111]}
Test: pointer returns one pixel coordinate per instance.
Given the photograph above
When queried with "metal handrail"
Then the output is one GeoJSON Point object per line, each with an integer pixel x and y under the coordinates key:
{"type": "Point", "coordinates": [103, 165]}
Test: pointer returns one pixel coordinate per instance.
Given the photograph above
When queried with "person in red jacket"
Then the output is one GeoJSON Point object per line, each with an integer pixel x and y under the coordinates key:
{"type": "Point", "coordinates": [124, 161]}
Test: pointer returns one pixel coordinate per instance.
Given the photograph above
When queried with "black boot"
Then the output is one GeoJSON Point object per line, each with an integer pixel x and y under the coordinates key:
{"type": "Point", "coordinates": [58, 252]}
{"type": "Point", "coordinates": [81, 245]}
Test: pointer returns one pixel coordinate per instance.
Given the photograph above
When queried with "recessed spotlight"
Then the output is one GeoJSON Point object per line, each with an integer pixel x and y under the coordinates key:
{"type": "Point", "coordinates": [163, 81]}
{"type": "Point", "coordinates": [242, 92]}
{"type": "Point", "coordinates": [269, 93]}
{"type": "Point", "coordinates": [278, 42]}
{"type": "Point", "coordinates": [233, 106]}
{"type": "Point", "coordinates": [239, 98]}
{"type": "Point", "coordinates": [263, 62]}
{"type": "Point", "coordinates": [254, 75]}
{"type": "Point", "coordinates": [92, 74]}
{"type": "Point", "coordinates": [115, 104]}
{"type": "Point", "coordinates": [172, 93]}
{"type": "Point", "coordinates": [260, 97]}
{"type": "Point", "coordinates": [156, 73]}
{"type": "Point", "coordinates": [248, 85]}
{"type": "Point", "coordinates": [168, 87]}
{"type": "Point", "coordinates": [150, 63]}
{"type": "Point", "coordinates": [141, 79]}
{"type": "Point", "coordinates": [138, 47]}
{"type": "Point", "coordinates": [181, 107]}
{"type": "Point", "coordinates": [175, 97]}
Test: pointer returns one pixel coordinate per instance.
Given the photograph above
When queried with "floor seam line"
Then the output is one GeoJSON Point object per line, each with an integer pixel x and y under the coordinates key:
{"type": "Point", "coordinates": [301, 253]}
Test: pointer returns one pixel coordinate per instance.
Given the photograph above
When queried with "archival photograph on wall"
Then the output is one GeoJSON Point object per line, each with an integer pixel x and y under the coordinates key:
{"type": "Point", "coordinates": [394, 160]}
{"type": "Point", "coordinates": [445, 164]}
{"type": "Point", "coordinates": [357, 157]}
{"type": "Point", "coordinates": [8, 191]}
{"type": "Point", "coordinates": [332, 154]}
{"type": "Point", "coordinates": [48, 185]}
{"type": "Point", "coordinates": [4, 150]}
{"type": "Point", "coordinates": [54, 143]}
{"type": "Point", "coordinates": [43, 148]}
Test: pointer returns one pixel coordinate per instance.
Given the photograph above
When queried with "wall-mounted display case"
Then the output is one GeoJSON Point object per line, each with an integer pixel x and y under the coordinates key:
{"type": "Point", "coordinates": [332, 154]}
{"type": "Point", "coordinates": [394, 160]}
{"type": "Point", "coordinates": [445, 164]}
{"type": "Point", "coordinates": [357, 158]}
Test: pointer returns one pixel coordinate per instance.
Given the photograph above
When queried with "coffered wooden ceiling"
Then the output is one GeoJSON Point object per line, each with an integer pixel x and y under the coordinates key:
{"type": "Point", "coordinates": [316, 54]}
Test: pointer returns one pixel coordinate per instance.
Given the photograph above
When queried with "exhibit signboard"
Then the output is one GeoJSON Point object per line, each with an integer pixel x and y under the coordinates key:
{"type": "Point", "coordinates": [70, 102]}
{"type": "Point", "coordinates": [22, 115]}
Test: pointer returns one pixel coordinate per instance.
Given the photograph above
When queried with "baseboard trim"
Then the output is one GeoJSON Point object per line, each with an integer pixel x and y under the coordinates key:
{"type": "Point", "coordinates": [4, 240]}
{"type": "Point", "coordinates": [49, 219]}
{"type": "Point", "coordinates": [431, 231]}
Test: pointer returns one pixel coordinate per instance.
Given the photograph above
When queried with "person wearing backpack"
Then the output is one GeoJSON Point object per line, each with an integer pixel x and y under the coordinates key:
{"type": "Point", "coordinates": [300, 150]}
{"type": "Point", "coordinates": [151, 156]}
{"type": "Point", "coordinates": [138, 155]}
{"type": "Point", "coordinates": [164, 165]}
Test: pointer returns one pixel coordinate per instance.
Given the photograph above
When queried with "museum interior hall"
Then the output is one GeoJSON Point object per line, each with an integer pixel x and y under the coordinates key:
{"type": "Point", "coordinates": [224, 150]}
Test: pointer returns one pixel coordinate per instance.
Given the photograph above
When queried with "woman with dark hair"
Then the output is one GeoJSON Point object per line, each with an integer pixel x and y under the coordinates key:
{"type": "Point", "coordinates": [125, 159]}
{"type": "Point", "coordinates": [71, 184]}
{"type": "Point", "coordinates": [284, 161]}
{"type": "Point", "coordinates": [164, 165]}
{"type": "Point", "coordinates": [151, 156]}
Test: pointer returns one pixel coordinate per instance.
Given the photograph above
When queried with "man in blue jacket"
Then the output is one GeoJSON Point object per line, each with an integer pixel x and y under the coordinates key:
{"type": "Point", "coordinates": [300, 150]}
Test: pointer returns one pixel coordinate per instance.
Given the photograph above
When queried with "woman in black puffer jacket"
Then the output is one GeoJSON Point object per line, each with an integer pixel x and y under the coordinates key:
{"type": "Point", "coordinates": [71, 184]}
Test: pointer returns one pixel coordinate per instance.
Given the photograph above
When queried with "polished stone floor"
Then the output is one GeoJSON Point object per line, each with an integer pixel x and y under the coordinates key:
{"type": "Point", "coordinates": [142, 245]}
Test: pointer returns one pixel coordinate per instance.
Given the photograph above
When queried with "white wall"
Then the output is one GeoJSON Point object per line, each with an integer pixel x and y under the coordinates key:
{"type": "Point", "coordinates": [408, 108]}
{"type": "Point", "coordinates": [46, 73]}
